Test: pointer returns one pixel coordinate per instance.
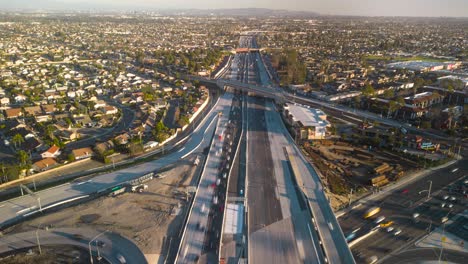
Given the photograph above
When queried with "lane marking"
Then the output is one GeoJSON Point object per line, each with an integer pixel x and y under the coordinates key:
{"type": "Point", "coordinates": [313, 243]}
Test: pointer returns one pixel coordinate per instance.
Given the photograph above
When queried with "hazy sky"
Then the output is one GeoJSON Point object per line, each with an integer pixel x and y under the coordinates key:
{"type": "Point", "coordinates": [334, 7]}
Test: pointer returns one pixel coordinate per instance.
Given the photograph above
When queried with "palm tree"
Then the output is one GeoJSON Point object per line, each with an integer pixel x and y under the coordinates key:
{"type": "Point", "coordinates": [22, 157]}
{"type": "Point", "coordinates": [17, 139]}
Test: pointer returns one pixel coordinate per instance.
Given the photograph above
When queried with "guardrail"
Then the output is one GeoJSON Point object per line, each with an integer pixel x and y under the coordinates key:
{"type": "Point", "coordinates": [333, 222]}
{"type": "Point", "coordinates": [194, 197]}
{"type": "Point", "coordinates": [226, 200]}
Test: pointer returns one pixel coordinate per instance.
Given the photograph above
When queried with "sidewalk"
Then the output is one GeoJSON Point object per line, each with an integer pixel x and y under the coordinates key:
{"type": "Point", "coordinates": [385, 190]}
{"type": "Point", "coordinates": [440, 238]}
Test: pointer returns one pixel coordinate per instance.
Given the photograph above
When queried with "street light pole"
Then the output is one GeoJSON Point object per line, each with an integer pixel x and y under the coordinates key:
{"type": "Point", "coordinates": [89, 246]}
{"type": "Point", "coordinates": [429, 192]}
{"type": "Point", "coordinates": [37, 238]}
{"type": "Point", "coordinates": [39, 203]}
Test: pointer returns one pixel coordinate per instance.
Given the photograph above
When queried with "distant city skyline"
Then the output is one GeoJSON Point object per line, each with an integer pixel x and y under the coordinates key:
{"type": "Point", "coordinates": [428, 8]}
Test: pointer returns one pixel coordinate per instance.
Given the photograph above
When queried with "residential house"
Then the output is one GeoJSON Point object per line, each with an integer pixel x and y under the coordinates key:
{"type": "Point", "coordinates": [109, 110]}
{"type": "Point", "coordinates": [82, 153]}
{"type": "Point", "coordinates": [122, 139]}
{"type": "Point", "coordinates": [44, 164]}
{"type": "Point", "coordinates": [43, 118]}
{"type": "Point", "coordinates": [4, 101]}
{"type": "Point", "coordinates": [99, 104]}
{"type": "Point", "coordinates": [48, 109]}
{"type": "Point", "coordinates": [52, 152]}
{"type": "Point", "coordinates": [68, 135]}
{"type": "Point", "coordinates": [82, 120]}
{"type": "Point", "coordinates": [20, 98]}
{"type": "Point", "coordinates": [33, 110]}
{"type": "Point", "coordinates": [13, 113]}
{"type": "Point", "coordinates": [104, 147]}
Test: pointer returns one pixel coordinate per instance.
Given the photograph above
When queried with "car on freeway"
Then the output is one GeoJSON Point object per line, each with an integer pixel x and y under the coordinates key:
{"type": "Point", "coordinates": [390, 229]}
{"type": "Point", "coordinates": [379, 219]}
{"type": "Point", "coordinates": [386, 224]}
{"type": "Point", "coordinates": [455, 170]}
{"type": "Point", "coordinates": [397, 232]}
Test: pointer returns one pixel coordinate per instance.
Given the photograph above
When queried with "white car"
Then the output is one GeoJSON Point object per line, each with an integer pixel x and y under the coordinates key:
{"type": "Point", "coordinates": [397, 232]}
{"type": "Point", "coordinates": [450, 205]}
{"type": "Point", "coordinates": [453, 198]}
{"type": "Point", "coordinates": [442, 205]}
{"type": "Point", "coordinates": [390, 229]}
{"type": "Point", "coordinates": [379, 219]}
{"type": "Point", "coordinates": [121, 259]}
{"type": "Point", "coordinates": [445, 197]}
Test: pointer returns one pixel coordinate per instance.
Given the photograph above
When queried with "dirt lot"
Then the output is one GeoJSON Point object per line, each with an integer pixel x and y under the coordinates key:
{"type": "Point", "coordinates": [151, 219]}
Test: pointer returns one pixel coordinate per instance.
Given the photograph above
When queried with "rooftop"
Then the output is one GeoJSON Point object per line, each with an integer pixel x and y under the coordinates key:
{"type": "Point", "coordinates": [309, 117]}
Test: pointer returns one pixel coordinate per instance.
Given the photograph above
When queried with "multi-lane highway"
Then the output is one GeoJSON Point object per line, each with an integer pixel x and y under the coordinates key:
{"type": "Point", "coordinates": [280, 228]}
{"type": "Point", "coordinates": [400, 204]}
{"type": "Point", "coordinates": [15, 209]}
{"type": "Point", "coordinates": [194, 238]}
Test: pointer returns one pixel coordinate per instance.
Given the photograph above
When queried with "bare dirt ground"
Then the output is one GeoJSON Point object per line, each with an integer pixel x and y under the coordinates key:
{"type": "Point", "coordinates": [151, 219]}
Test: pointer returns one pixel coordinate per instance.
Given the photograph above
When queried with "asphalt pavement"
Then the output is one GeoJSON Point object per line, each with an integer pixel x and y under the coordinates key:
{"type": "Point", "coordinates": [399, 205]}
{"type": "Point", "coordinates": [114, 244]}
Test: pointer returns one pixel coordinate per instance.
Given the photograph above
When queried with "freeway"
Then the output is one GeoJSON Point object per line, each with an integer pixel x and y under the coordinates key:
{"type": "Point", "coordinates": [279, 229]}
{"type": "Point", "coordinates": [193, 241]}
{"type": "Point", "coordinates": [335, 247]}
{"type": "Point", "coordinates": [15, 209]}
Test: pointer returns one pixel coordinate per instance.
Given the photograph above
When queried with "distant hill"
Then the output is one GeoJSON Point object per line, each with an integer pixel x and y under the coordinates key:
{"type": "Point", "coordinates": [58, 6]}
{"type": "Point", "coordinates": [247, 12]}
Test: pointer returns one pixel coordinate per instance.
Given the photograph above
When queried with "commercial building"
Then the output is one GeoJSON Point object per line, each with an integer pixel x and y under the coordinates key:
{"type": "Point", "coordinates": [308, 123]}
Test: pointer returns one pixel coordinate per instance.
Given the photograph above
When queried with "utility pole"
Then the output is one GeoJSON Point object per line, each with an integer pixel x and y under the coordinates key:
{"type": "Point", "coordinates": [37, 238]}
{"type": "Point", "coordinates": [350, 196]}
{"type": "Point", "coordinates": [429, 191]}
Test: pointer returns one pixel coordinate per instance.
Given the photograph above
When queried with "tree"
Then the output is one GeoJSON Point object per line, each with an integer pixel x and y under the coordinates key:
{"type": "Point", "coordinates": [22, 157]}
{"type": "Point", "coordinates": [17, 139]}
{"type": "Point", "coordinates": [389, 93]}
{"type": "Point", "coordinates": [450, 90]}
{"type": "Point", "coordinates": [368, 90]}
{"type": "Point", "coordinates": [418, 83]}
{"type": "Point", "coordinates": [49, 130]}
